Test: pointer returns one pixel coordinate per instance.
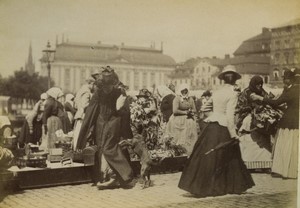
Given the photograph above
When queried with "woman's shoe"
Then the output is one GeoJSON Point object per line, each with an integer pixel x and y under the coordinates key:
{"type": "Point", "coordinates": [111, 183]}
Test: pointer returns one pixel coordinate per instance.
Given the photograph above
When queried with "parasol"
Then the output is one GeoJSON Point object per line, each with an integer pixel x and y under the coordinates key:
{"type": "Point", "coordinates": [222, 145]}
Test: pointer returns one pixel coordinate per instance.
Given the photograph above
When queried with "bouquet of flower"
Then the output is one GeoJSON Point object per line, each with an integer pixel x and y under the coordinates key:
{"type": "Point", "coordinates": [145, 117]}
{"type": "Point", "coordinates": [173, 148]}
{"type": "Point", "coordinates": [266, 117]}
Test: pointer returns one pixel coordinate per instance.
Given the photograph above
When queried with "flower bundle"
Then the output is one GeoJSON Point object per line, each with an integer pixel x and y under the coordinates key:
{"type": "Point", "coordinates": [266, 117]}
{"type": "Point", "coordinates": [145, 118]}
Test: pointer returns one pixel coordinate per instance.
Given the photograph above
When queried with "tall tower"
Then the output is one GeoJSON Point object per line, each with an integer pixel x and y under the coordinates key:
{"type": "Point", "coordinates": [29, 65]}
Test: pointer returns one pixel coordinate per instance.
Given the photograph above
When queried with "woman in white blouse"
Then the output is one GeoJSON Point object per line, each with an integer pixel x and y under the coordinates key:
{"type": "Point", "coordinates": [222, 171]}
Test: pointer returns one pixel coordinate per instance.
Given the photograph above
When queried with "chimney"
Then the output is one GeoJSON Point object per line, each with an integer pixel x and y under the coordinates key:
{"type": "Point", "coordinates": [122, 44]}
{"type": "Point", "coordinates": [264, 30]}
{"type": "Point", "coordinates": [227, 56]}
{"type": "Point", "coordinates": [162, 46]}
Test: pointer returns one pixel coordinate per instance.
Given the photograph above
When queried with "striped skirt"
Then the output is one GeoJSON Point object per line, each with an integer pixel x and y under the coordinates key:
{"type": "Point", "coordinates": [285, 159]}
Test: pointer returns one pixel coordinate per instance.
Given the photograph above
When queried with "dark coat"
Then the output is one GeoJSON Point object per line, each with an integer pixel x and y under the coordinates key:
{"type": "Point", "coordinates": [290, 96]}
{"type": "Point", "coordinates": [166, 106]}
{"type": "Point", "coordinates": [92, 113]}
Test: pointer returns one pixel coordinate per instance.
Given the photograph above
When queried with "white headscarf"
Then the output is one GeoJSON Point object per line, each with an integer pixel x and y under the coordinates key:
{"type": "Point", "coordinates": [43, 96]}
{"type": "Point", "coordinates": [69, 98]}
{"type": "Point", "coordinates": [182, 87]}
{"type": "Point", "coordinates": [55, 92]}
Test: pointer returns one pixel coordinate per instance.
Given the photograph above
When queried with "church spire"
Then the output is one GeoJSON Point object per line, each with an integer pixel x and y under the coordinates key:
{"type": "Point", "coordinates": [29, 65]}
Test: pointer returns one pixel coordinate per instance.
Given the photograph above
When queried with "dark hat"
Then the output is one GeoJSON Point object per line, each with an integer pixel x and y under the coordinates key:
{"type": "Point", "coordinates": [288, 74]}
{"type": "Point", "coordinates": [229, 69]}
{"type": "Point", "coordinates": [109, 76]}
{"type": "Point", "coordinates": [144, 93]}
{"type": "Point", "coordinates": [206, 93]}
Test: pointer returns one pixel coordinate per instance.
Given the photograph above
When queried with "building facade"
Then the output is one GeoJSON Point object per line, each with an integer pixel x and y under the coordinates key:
{"type": "Point", "coordinates": [251, 58]}
{"type": "Point", "coordinates": [285, 50]}
{"type": "Point", "coordinates": [137, 67]}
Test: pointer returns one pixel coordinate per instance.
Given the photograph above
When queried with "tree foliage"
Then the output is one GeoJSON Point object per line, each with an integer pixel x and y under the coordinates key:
{"type": "Point", "coordinates": [23, 85]}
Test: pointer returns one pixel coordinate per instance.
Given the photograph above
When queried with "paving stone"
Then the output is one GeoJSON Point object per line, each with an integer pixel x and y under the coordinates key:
{"type": "Point", "coordinates": [268, 192]}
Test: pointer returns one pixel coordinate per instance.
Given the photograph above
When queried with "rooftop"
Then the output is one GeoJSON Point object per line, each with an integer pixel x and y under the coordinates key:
{"type": "Point", "coordinates": [104, 53]}
{"type": "Point", "coordinates": [257, 44]}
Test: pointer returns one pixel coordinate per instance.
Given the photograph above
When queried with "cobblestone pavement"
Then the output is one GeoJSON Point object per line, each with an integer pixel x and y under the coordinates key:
{"type": "Point", "coordinates": [268, 192]}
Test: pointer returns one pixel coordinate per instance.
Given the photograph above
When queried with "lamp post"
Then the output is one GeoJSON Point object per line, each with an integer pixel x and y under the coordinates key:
{"type": "Point", "coordinates": [49, 57]}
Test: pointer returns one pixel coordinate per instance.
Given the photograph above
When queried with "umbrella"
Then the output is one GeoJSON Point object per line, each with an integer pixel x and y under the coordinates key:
{"type": "Point", "coordinates": [222, 145]}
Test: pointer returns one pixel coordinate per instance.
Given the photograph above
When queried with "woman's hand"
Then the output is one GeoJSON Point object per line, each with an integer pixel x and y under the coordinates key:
{"type": "Point", "coordinates": [254, 96]}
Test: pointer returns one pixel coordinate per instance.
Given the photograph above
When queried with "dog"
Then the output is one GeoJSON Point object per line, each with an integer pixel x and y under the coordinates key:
{"type": "Point", "coordinates": [138, 146]}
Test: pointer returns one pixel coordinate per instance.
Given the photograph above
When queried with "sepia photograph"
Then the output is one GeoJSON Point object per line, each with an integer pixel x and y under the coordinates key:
{"type": "Point", "coordinates": [149, 103]}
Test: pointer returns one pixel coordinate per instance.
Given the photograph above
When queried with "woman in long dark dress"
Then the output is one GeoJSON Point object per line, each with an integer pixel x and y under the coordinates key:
{"type": "Point", "coordinates": [222, 171]}
{"type": "Point", "coordinates": [109, 124]}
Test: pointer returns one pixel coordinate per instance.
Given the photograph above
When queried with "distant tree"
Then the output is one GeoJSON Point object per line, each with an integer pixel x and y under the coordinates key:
{"type": "Point", "coordinates": [23, 85]}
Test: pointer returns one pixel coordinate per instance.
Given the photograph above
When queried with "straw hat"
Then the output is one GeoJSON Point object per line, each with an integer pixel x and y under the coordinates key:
{"type": "Point", "coordinates": [229, 69]}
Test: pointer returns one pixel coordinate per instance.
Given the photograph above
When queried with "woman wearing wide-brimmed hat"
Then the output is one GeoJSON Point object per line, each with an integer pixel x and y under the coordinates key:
{"type": "Point", "coordinates": [222, 171]}
{"type": "Point", "coordinates": [285, 153]}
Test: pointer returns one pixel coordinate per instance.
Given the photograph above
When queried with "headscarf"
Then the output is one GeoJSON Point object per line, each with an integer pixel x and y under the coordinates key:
{"type": "Point", "coordinates": [55, 92]}
{"type": "Point", "coordinates": [256, 80]}
{"type": "Point", "coordinates": [70, 98]}
{"type": "Point", "coordinates": [182, 87]}
{"type": "Point", "coordinates": [43, 96]}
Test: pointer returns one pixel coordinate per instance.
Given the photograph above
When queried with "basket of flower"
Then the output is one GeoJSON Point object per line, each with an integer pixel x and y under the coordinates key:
{"type": "Point", "coordinates": [266, 118]}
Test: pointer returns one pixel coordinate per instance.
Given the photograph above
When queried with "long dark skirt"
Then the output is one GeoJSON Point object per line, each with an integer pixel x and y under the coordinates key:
{"type": "Point", "coordinates": [107, 139]}
{"type": "Point", "coordinates": [218, 173]}
{"type": "Point", "coordinates": [25, 136]}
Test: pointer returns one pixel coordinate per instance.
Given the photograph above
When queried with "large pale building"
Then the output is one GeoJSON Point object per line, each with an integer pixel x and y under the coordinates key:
{"type": "Point", "coordinates": [137, 67]}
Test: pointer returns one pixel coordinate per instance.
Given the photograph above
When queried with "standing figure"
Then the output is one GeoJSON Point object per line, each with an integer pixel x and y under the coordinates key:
{"type": "Point", "coordinates": [103, 121]}
{"type": "Point", "coordinates": [222, 171]}
{"type": "Point", "coordinates": [285, 153]}
{"type": "Point", "coordinates": [70, 108]}
{"type": "Point", "coordinates": [51, 120]}
{"type": "Point", "coordinates": [206, 105]}
{"type": "Point", "coordinates": [245, 109]}
{"type": "Point", "coordinates": [32, 129]}
{"type": "Point", "coordinates": [82, 99]}
{"type": "Point", "coordinates": [182, 125]}
{"type": "Point", "coordinates": [166, 104]}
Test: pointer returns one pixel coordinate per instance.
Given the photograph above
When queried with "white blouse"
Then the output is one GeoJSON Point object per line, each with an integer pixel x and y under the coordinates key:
{"type": "Point", "coordinates": [224, 103]}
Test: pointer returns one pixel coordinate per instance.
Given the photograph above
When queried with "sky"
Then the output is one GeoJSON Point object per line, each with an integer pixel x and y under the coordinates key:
{"type": "Point", "coordinates": [187, 28]}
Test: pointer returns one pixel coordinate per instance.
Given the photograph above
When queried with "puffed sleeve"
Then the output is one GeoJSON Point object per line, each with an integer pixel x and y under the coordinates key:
{"type": "Point", "coordinates": [230, 109]}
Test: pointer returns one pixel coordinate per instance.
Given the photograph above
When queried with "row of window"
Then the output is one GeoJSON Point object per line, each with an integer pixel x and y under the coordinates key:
{"type": "Point", "coordinates": [286, 58]}
{"type": "Point", "coordinates": [124, 78]}
{"type": "Point", "coordinates": [287, 43]}
{"type": "Point", "coordinates": [204, 70]}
